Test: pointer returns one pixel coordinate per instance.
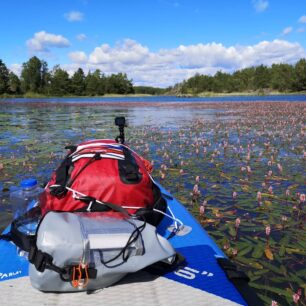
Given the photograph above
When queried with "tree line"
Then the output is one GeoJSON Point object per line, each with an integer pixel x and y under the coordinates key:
{"type": "Point", "coordinates": [36, 78]}
{"type": "Point", "coordinates": [278, 77]}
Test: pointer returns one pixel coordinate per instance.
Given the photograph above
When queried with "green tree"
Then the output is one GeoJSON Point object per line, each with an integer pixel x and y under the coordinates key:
{"type": "Point", "coordinates": [262, 77]}
{"type": "Point", "coordinates": [92, 83]}
{"type": "Point", "coordinates": [148, 90]}
{"type": "Point", "coordinates": [300, 75]}
{"type": "Point", "coordinates": [221, 82]}
{"type": "Point", "coordinates": [45, 78]}
{"type": "Point", "coordinates": [4, 78]}
{"type": "Point", "coordinates": [14, 84]}
{"type": "Point", "coordinates": [31, 75]}
{"type": "Point", "coordinates": [282, 77]}
{"type": "Point", "coordinates": [78, 83]}
{"type": "Point", "coordinates": [102, 84]}
{"type": "Point", "coordinates": [59, 82]}
{"type": "Point", "coordinates": [119, 84]}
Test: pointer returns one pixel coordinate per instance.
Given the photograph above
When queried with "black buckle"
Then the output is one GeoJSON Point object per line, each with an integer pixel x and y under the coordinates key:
{"type": "Point", "coordinates": [57, 190]}
{"type": "Point", "coordinates": [71, 148]}
{"type": "Point", "coordinates": [39, 259]}
{"type": "Point", "coordinates": [97, 156]}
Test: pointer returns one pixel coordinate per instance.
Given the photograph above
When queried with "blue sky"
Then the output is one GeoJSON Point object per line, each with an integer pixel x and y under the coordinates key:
{"type": "Point", "coordinates": [156, 42]}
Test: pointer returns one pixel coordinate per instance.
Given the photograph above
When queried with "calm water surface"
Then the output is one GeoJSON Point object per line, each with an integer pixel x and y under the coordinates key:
{"type": "Point", "coordinates": [165, 99]}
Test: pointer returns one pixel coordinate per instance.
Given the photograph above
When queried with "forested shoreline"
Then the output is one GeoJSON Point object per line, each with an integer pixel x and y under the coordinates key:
{"type": "Point", "coordinates": [37, 80]}
{"type": "Point", "coordinates": [260, 79]}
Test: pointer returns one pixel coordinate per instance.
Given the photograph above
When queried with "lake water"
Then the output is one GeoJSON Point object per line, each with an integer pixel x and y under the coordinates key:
{"type": "Point", "coordinates": [165, 99]}
{"type": "Point", "coordinates": [230, 145]}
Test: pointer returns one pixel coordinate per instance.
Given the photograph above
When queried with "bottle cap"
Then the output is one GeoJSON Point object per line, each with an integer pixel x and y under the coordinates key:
{"type": "Point", "coordinates": [28, 183]}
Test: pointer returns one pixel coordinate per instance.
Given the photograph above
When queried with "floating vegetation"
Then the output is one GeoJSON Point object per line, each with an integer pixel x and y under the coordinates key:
{"type": "Point", "coordinates": [238, 167]}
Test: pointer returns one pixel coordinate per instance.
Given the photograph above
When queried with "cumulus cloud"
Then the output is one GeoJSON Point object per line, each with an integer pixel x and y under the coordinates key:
{"type": "Point", "coordinates": [128, 52]}
{"type": "Point", "coordinates": [260, 5]}
{"type": "Point", "coordinates": [302, 19]}
{"type": "Point", "coordinates": [16, 68]}
{"type": "Point", "coordinates": [287, 30]}
{"type": "Point", "coordinates": [43, 41]}
{"type": "Point", "coordinates": [169, 66]}
{"type": "Point", "coordinates": [74, 16]}
{"type": "Point", "coordinates": [81, 37]}
{"type": "Point", "coordinates": [78, 57]}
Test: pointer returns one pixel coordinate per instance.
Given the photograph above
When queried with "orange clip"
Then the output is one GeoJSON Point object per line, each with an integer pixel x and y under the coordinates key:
{"type": "Point", "coordinates": [78, 281]}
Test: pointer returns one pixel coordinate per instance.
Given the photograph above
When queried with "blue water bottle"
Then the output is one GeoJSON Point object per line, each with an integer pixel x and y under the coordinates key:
{"type": "Point", "coordinates": [22, 200]}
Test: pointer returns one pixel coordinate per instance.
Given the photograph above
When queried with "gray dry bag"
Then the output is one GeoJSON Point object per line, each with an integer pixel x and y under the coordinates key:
{"type": "Point", "coordinates": [89, 251]}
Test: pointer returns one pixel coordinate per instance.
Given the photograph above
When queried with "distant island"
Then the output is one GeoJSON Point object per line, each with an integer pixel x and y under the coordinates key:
{"type": "Point", "coordinates": [36, 80]}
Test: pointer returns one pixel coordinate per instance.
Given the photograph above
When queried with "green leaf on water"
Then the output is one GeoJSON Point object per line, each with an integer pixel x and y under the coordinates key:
{"type": "Point", "coordinates": [232, 230]}
{"type": "Point", "coordinates": [268, 204]}
{"type": "Point", "coordinates": [266, 299]}
{"type": "Point", "coordinates": [301, 272]}
{"type": "Point", "coordinates": [282, 250]}
{"type": "Point", "coordinates": [295, 251]}
{"type": "Point", "coordinates": [248, 262]}
{"type": "Point", "coordinates": [302, 243]}
{"type": "Point", "coordinates": [254, 278]}
{"type": "Point", "coordinates": [293, 277]}
{"type": "Point", "coordinates": [272, 268]}
{"type": "Point", "coordinates": [294, 186]}
{"type": "Point", "coordinates": [285, 240]}
{"type": "Point", "coordinates": [258, 251]}
{"type": "Point", "coordinates": [261, 272]}
{"type": "Point", "coordinates": [272, 289]}
{"type": "Point", "coordinates": [245, 251]}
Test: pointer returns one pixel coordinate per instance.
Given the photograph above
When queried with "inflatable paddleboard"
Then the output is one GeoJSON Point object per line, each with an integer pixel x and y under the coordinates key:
{"type": "Point", "coordinates": [200, 280]}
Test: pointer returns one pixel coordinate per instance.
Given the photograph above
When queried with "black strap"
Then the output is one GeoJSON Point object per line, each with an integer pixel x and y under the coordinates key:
{"type": "Point", "coordinates": [128, 168]}
{"type": "Point", "coordinates": [6, 237]}
{"type": "Point", "coordinates": [95, 207]}
{"type": "Point", "coordinates": [42, 261]}
{"type": "Point", "coordinates": [61, 178]}
{"type": "Point", "coordinates": [240, 281]}
{"type": "Point", "coordinates": [145, 214]}
{"type": "Point", "coordinates": [148, 214]}
{"type": "Point", "coordinates": [162, 267]}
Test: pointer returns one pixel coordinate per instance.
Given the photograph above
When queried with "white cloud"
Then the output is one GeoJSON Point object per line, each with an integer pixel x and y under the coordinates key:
{"type": "Point", "coordinates": [16, 68]}
{"type": "Point", "coordinates": [260, 5]}
{"type": "Point", "coordinates": [81, 37]}
{"type": "Point", "coordinates": [43, 41]}
{"type": "Point", "coordinates": [169, 66]}
{"type": "Point", "coordinates": [78, 57]}
{"type": "Point", "coordinates": [302, 19]}
{"type": "Point", "coordinates": [287, 30]}
{"type": "Point", "coordinates": [301, 30]}
{"type": "Point", "coordinates": [74, 16]}
{"type": "Point", "coordinates": [129, 52]}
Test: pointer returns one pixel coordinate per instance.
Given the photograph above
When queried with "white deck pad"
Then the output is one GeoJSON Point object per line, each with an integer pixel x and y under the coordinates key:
{"type": "Point", "coordinates": [138, 289]}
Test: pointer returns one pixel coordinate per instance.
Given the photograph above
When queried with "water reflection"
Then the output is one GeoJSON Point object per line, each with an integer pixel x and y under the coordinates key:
{"type": "Point", "coordinates": [169, 117]}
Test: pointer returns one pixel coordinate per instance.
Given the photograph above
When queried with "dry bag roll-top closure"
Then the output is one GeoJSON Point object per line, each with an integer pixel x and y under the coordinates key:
{"type": "Point", "coordinates": [104, 171]}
